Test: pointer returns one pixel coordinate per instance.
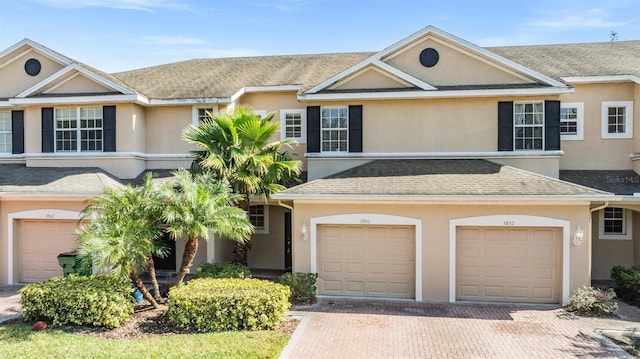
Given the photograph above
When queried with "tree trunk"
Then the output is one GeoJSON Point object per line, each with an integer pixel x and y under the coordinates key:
{"type": "Point", "coordinates": [190, 250]}
{"type": "Point", "coordinates": [145, 293]}
{"type": "Point", "coordinates": [241, 249]}
{"type": "Point", "coordinates": [151, 268]}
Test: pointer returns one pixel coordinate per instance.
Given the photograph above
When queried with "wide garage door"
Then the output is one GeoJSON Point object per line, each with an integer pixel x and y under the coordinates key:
{"type": "Point", "coordinates": [375, 261]}
{"type": "Point", "coordinates": [41, 243]}
{"type": "Point", "coordinates": [508, 264]}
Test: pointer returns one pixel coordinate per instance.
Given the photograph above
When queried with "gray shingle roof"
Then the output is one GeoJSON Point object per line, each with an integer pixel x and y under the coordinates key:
{"type": "Point", "coordinates": [16, 178]}
{"type": "Point", "coordinates": [444, 177]}
{"type": "Point", "coordinates": [622, 182]}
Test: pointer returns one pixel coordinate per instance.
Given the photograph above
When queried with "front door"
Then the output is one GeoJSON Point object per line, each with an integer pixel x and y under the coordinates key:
{"type": "Point", "coordinates": [168, 262]}
{"type": "Point", "coordinates": [287, 241]}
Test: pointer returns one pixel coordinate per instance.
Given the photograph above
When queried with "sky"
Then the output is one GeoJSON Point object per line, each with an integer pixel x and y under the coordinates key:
{"type": "Point", "coordinates": [120, 35]}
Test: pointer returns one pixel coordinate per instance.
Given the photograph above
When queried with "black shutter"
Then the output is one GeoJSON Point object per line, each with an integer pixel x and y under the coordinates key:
{"type": "Point", "coordinates": [47, 129]}
{"type": "Point", "coordinates": [552, 125]}
{"type": "Point", "coordinates": [109, 128]}
{"type": "Point", "coordinates": [505, 126]}
{"type": "Point", "coordinates": [17, 132]}
{"type": "Point", "coordinates": [313, 129]}
{"type": "Point", "coordinates": [355, 128]}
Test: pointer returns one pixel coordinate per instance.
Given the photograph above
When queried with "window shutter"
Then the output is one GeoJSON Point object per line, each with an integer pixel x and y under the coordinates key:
{"type": "Point", "coordinates": [355, 128]}
{"type": "Point", "coordinates": [313, 129]}
{"type": "Point", "coordinates": [505, 126]}
{"type": "Point", "coordinates": [552, 125]}
{"type": "Point", "coordinates": [47, 129]}
{"type": "Point", "coordinates": [17, 131]}
{"type": "Point", "coordinates": [109, 129]}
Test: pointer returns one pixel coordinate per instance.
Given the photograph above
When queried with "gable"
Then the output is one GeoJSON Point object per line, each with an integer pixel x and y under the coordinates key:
{"type": "Point", "coordinates": [456, 66]}
{"type": "Point", "coordinates": [75, 84]}
{"type": "Point", "coordinates": [371, 78]}
{"type": "Point", "coordinates": [15, 79]}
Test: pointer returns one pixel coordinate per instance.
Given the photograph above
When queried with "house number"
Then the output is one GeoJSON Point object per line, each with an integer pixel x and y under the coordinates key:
{"type": "Point", "coordinates": [50, 215]}
{"type": "Point", "coordinates": [509, 223]}
{"type": "Point", "coordinates": [365, 221]}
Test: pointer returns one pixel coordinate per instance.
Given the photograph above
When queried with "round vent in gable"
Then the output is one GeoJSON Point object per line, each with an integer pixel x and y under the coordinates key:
{"type": "Point", "coordinates": [32, 67]}
{"type": "Point", "coordinates": [429, 57]}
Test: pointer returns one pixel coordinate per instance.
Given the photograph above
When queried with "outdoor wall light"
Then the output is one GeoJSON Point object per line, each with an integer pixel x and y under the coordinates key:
{"type": "Point", "coordinates": [303, 230]}
{"type": "Point", "coordinates": [577, 238]}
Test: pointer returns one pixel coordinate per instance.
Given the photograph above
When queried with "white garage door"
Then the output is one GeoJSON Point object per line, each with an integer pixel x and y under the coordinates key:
{"type": "Point", "coordinates": [376, 261]}
{"type": "Point", "coordinates": [508, 264]}
{"type": "Point", "coordinates": [41, 242]}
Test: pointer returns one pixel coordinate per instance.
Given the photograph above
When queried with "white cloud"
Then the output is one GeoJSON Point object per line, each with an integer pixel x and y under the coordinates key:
{"type": "Point", "coordinates": [287, 6]}
{"type": "Point", "coordinates": [142, 5]}
{"type": "Point", "coordinates": [578, 19]}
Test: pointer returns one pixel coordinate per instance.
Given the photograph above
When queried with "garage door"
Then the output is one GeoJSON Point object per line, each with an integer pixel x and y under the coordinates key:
{"type": "Point", "coordinates": [375, 261]}
{"type": "Point", "coordinates": [41, 242]}
{"type": "Point", "coordinates": [508, 264]}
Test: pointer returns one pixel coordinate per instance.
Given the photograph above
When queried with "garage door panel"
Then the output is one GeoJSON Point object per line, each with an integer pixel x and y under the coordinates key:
{"type": "Point", "coordinates": [40, 244]}
{"type": "Point", "coordinates": [517, 264]}
{"type": "Point", "coordinates": [371, 261]}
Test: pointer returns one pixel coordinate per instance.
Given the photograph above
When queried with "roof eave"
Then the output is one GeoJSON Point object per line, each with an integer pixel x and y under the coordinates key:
{"type": "Point", "coordinates": [448, 198]}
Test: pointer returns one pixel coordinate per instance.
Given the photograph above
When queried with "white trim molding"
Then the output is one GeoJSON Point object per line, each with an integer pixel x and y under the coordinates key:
{"type": "Point", "coordinates": [506, 221]}
{"type": "Point", "coordinates": [628, 120]}
{"type": "Point", "coordinates": [46, 214]}
{"type": "Point", "coordinates": [601, 79]}
{"type": "Point", "coordinates": [579, 106]}
{"type": "Point", "coordinates": [370, 219]}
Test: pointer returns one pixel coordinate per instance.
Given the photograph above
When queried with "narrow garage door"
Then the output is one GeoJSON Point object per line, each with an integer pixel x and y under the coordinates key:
{"type": "Point", "coordinates": [375, 261]}
{"type": "Point", "coordinates": [508, 264]}
{"type": "Point", "coordinates": [41, 243]}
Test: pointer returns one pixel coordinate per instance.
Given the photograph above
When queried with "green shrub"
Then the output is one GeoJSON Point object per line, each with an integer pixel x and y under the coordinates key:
{"type": "Point", "coordinates": [213, 305]}
{"type": "Point", "coordinates": [593, 302]}
{"type": "Point", "coordinates": [222, 270]}
{"type": "Point", "coordinates": [101, 301]}
{"type": "Point", "coordinates": [628, 283]}
{"type": "Point", "coordinates": [302, 285]}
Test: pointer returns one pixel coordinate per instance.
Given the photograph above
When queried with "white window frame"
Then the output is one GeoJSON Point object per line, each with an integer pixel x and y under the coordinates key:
{"type": "Point", "coordinates": [78, 129]}
{"type": "Point", "coordinates": [515, 126]}
{"type": "Point", "coordinates": [579, 136]}
{"type": "Point", "coordinates": [303, 125]}
{"type": "Point", "coordinates": [195, 116]}
{"type": "Point", "coordinates": [628, 124]}
{"type": "Point", "coordinates": [265, 229]}
{"type": "Point", "coordinates": [627, 223]}
{"type": "Point", "coordinates": [7, 132]}
{"type": "Point", "coordinates": [322, 129]}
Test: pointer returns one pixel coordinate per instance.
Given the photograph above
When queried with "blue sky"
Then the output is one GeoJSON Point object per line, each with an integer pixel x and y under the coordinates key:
{"type": "Point", "coordinates": [118, 35]}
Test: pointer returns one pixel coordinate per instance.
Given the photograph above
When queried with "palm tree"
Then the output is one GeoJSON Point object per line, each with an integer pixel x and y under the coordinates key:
{"type": "Point", "coordinates": [196, 204]}
{"type": "Point", "coordinates": [241, 148]}
{"type": "Point", "coordinates": [122, 231]}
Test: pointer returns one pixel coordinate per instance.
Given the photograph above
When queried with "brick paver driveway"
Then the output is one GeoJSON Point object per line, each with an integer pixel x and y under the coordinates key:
{"type": "Point", "coordinates": [341, 328]}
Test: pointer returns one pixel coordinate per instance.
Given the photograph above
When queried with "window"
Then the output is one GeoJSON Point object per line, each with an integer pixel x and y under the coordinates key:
{"type": "Point", "coordinates": [292, 125]}
{"type": "Point", "coordinates": [572, 121]}
{"type": "Point", "coordinates": [617, 119]}
{"type": "Point", "coordinates": [5, 132]}
{"type": "Point", "coordinates": [334, 129]}
{"type": "Point", "coordinates": [528, 125]}
{"type": "Point", "coordinates": [615, 223]}
{"type": "Point", "coordinates": [259, 218]}
{"type": "Point", "coordinates": [201, 113]}
{"type": "Point", "coordinates": [78, 129]}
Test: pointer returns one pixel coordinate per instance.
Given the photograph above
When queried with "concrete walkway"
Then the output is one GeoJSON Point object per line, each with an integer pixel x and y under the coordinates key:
{"type": "Point", "coordinates": [341, 328]}
{"type": "Point", "coordinates": [9, 302]}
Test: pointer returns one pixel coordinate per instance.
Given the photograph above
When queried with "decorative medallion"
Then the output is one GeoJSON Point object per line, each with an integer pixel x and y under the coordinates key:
{"type": "Point", "coordinates": [32, 67]}
{"type": "Point", "coordinates": [429, 57]}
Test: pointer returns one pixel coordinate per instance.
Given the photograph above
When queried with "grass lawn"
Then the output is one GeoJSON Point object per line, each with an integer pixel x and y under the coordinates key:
{"type": "Point", "coordinates": [19, 341]}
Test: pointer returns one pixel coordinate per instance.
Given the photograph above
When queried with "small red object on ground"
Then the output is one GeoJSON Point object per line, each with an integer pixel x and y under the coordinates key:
{"type": "Point", "coordinates": [39, 325]}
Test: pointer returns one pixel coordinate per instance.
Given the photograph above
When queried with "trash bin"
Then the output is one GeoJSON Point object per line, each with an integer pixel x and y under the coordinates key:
{"type": "Point", "coordinates": [67, 261]}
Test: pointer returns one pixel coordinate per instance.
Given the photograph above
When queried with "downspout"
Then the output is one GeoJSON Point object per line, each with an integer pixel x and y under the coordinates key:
{"type": "Point", "coordinates": [604, 205]}
{"type": "Point", "coordinates": [284, 205]}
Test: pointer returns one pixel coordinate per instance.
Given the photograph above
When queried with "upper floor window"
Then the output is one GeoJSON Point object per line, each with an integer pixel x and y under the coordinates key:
{"type": "Point", "coordinates": [202, 113]}
{"type": "Point", "coordinates": [528, 125]}
{"type": "Point", "coordinates": [572, 121]}
{"type": "Point", "coordinates": [617, 119]}
{"type": "Point", "coordinates": [292, 125]}
{"type": "Point", "coordinates": [78, 129]}
{"type": "Point", "coordinates": [5, 132]}
{"type": "Point", "coordinates": [334, 129]}
{"type": "Point", "coordinates": [259, 218]}
{"type": "Point", "coordinates": [615, 223]}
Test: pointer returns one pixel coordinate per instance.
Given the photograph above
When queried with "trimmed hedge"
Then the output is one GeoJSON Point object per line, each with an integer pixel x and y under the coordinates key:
{"type": "Point", "coordinates": [214, 305]}
{"type": "Point", "coordinates": [222, 270]}
{"type": "Point", "coordinates": [302, 285]}
{"type": "Point", "coordinates": [628, 283]}
{"type": "Point", "coordinates": [593, 302]}
{"type": "Point", "coordinates": [101, 301]}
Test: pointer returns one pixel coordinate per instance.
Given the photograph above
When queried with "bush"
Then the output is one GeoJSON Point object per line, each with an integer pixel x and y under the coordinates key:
{"type": "Point", "coordinates": [222, 270]}
{"type": "Point", "coordinates": [101, 301]}
{"type": "Point", "coordinates": [628, 283]}
{"type": "Point", "coordinates": [213, 305]}
{"type": "Point", "coordinates": [593, 302]}
{"type": "Point", "coordinates": [302, 285]}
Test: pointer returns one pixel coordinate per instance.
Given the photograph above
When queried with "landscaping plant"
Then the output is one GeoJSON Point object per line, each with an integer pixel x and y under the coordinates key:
{"type": "Point", "coordinates": [222, 270]}
{"type": "Point", "coordinates": [302, 285]}
{"type": "Point", "coordinates": [593, 302]}
{"type": "Point", "coordinates": [627, 283]}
